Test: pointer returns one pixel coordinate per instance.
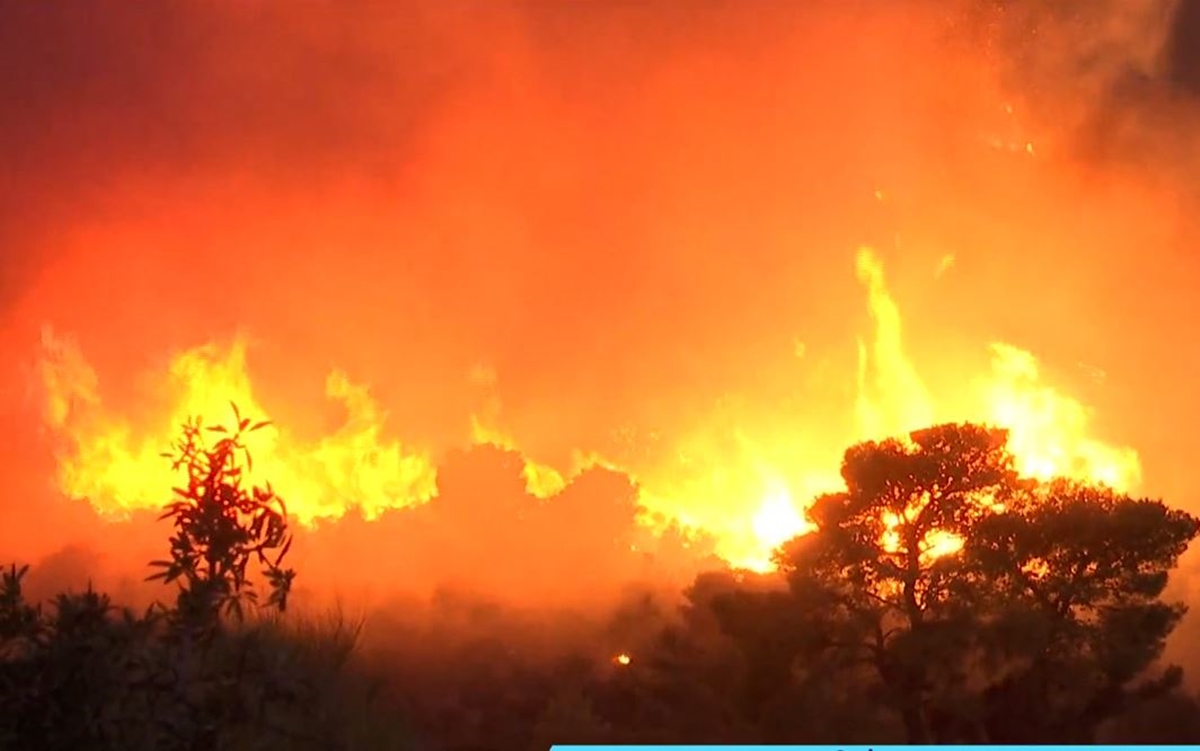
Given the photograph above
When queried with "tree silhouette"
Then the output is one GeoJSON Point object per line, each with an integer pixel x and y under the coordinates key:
{"type": "Point", "coordinates": [966, 599]}
{"type": "Point", "coordinates": [877, 593]}
{"type": "Point", "coordinates": [220, 526]}
{"type": "Point", "coordinates": [1076, 575]}
{"type": "Point", "coordinates": [941, 599]}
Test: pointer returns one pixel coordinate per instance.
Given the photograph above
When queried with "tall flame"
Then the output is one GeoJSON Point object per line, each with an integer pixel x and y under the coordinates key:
{"type": "Point", "coordinates": [891, 397]}
{"type": "Point", "coordinates": [118, 466]}
{"type": "Point", "coordinates": [744, 481]}
{"type": "Point", "coordinates": [1048, 432]}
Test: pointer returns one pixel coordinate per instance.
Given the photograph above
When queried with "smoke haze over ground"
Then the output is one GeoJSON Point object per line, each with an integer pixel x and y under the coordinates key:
{"type": "Point", "coordinates": [613, 229]}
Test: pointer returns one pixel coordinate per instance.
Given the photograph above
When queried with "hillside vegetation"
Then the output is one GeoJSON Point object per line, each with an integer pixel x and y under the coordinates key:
{"type": "Point", "coordinates": [943, 599]}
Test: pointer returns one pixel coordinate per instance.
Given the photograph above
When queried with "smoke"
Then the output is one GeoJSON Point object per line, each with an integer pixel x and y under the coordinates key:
{"type": "Point", "coordinates": [627, 215]}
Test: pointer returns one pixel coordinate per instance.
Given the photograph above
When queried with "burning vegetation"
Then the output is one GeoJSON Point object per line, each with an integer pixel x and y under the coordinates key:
{"type": "Point", "coordinates": [752, 372]}
{"type": "Point", "coordinates": [745, 505]}
{"type": "Point", "coordinates": [941, 597]}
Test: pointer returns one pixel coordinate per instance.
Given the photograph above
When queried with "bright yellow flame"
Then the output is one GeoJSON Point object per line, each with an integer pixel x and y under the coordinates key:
{"type": "Point", "coordinates": [541, 480]}
{"type": "Point", "coordinates": [1048, 431]}
{"type": "Point", "coordinates": [892, 400]}
{"type": "Point", "coordinates": [748, 492]}
{"type": "Point", "coordinates": [934, 544]}
{"type": "Point", "coordinates": [119, 467]}
{"type": "Point", "coordinates": [622, 659]}
{"type": "Point", "coordinates": [744, 474]}
{"type": "Point", "coordinates": [777, 520]}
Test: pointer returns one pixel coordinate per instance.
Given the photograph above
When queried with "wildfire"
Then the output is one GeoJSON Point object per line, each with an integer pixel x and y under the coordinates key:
{"type": "Point", "coordinates": [118, 466]}
{"type": "Point", "coordinates": [622, 659]}
{"type": "Point", "coordinates": [777, 521]}
{"type": "Point", "coordinates": [541, 480]}
{"type": "Point", "coordinates": [935, 544]}
{"type": "Point", "coordinates": [1048, 432]}
{"type": "Point", "coordinates": [743, 476]}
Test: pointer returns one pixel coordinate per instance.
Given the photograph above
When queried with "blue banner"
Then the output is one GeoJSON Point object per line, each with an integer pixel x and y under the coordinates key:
{"type": "Point", "coordinates": [854, 748]}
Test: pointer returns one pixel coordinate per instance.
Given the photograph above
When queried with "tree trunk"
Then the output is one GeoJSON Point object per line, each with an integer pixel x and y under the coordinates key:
{"type": "Point", "coordinates": [906, 695]}
{"type": "Point", "coordinates": [916, 729]}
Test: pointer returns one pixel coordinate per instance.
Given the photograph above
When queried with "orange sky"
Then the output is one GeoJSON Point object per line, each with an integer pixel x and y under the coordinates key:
{"type": "Point", "coordinates": [632, 219]}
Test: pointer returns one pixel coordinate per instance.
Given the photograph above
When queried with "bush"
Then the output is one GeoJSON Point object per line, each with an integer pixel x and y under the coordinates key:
{"type": "Point", "coordinates": [215, 670]}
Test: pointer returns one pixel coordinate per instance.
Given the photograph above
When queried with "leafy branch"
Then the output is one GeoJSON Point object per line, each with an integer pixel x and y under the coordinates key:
{"type": "Point", "coordinates": [221, 526]}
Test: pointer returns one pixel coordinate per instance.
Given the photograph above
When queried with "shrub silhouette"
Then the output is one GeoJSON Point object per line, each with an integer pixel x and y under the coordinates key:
{"type": "Point", "coordinates": [205, 672]}
{"type": "Point", "coordinates": [219, 527]}
{"type": "Point", "coordinates": [1048, 625]}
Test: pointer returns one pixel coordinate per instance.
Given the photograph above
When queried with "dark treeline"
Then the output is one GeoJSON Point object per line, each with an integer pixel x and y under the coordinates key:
{"type": "Point", "coordinates": [943, 599]}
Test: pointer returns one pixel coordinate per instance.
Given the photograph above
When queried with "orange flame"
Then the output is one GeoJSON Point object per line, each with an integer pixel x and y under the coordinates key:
{"type": "Point", "coordinates": [743, 475]}
{"type": "Point", "coordinates": [118, 466]}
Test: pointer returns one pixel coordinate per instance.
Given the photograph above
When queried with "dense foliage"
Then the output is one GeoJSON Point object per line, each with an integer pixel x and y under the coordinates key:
{"type": "Point", "coordinates": [942, 599]}
{"type": "Point", "coordinates": [201, 673]}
